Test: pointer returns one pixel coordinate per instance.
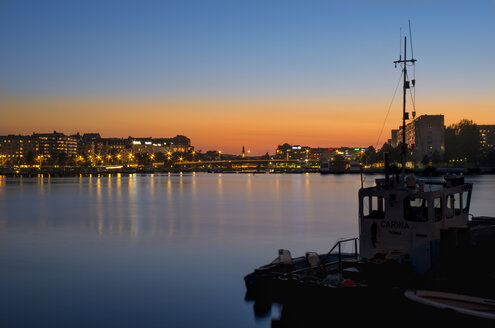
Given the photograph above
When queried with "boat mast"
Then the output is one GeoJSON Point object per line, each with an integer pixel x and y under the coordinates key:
{"type": "Point", "coordinates": [405, 115]}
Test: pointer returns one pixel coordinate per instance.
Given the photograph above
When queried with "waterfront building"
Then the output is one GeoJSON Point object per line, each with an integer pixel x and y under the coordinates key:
{"type": "Point", "coordinates": [303, 153]}
{"type": "Point", "coordinates": [17, 146]}
{"type": "Point", "coordinates": [294, 152]}
{"type": "Point", "coordinates": [393, 140]}
{"type": "Point", "coordinates": [151, 145]}
{"type": "Point", "coordinates": [180, 143]}
{"type": "Point", "coordinates": [55, 143]}
{"type": "Point", "coordinates": [45, 145]}
{"type": "Point", "coordinates": [487, 136]}
{"type": "Point", "coordinates": [425, 136]}
{"type": "Point", "coordinates": [114, 145]}
{"type": "Point", "coordinates": [38, 144]}
{"type": "Point", "coordinates": [140, 145]}
{"type": "Point", "coordinates": [317, 154]}
{"type": "Point", "coordinates": [89, 143]}
{"type": "Point", "coordinates": [162, 145]}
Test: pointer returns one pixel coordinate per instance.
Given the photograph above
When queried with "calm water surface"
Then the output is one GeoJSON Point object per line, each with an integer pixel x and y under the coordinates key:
{"type": "Point", "coordinates": [160, 250]}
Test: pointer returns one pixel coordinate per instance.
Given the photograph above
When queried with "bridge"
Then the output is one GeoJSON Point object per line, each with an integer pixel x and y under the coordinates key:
{"type": "Point", "coordinates": [249, 165]}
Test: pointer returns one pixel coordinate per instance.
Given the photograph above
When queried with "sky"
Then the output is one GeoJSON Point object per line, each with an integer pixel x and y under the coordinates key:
{"type": "Point", "coordinates": [234, 73]}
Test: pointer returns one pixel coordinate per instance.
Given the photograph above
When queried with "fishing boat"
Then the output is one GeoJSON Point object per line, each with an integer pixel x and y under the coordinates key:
{"type": "Point", "coordinates": [412, 232]}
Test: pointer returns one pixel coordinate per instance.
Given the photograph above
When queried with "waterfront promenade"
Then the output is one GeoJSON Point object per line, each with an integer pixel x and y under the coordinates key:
{"type": "Point", "coordinates": [221, 166]}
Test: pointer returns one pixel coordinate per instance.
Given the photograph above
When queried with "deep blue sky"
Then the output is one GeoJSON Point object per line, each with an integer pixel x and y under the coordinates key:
{"type": "Point", "coordinates": [229, 73]}
{"type": "Point", "coordinates": [239, 48]}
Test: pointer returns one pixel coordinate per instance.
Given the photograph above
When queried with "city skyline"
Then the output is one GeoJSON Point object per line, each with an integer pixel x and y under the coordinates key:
{"type": "Point", "coordinates": [258, 74]}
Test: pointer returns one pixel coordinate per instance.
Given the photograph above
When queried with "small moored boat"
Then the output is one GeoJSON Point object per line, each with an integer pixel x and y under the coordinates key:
{"type": "Point", "coordinates": [463, 304]}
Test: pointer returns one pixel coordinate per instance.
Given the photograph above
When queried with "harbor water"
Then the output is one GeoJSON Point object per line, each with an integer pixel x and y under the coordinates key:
{"type": "Point", "coordinates": [164, 250]}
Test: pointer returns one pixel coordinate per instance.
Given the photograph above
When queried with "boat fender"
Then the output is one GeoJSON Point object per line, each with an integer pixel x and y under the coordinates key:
{"type": "Point", "coordinates": [284, 257]}
{"type": "Point", "coordinates": [348, 283]}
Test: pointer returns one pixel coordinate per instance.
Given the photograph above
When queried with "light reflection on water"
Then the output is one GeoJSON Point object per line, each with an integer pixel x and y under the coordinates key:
{"type": "Point", "coordinates": [162, 250]}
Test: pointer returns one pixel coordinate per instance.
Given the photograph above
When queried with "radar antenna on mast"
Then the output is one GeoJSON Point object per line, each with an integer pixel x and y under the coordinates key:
{"type": "Point", "coordinates": [406, 85]}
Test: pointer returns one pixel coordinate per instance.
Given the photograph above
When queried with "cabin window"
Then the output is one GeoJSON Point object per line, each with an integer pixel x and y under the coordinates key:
{"type": "Point", "coordinates": [465, 201]}
{"type": "Point", "coordinates": [416, 209]}
{"type": "Point", "coordinates": [438, 208]}
{"type": "Point", "coordinates": [453, 205]}
{"type": "Point", "coordinates": [374, 207]}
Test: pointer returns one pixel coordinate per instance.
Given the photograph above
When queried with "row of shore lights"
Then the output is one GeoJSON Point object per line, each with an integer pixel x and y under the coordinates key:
{"type": "Point", "coordinates": [109, 157]}
{"type": "Point", "coordinates": [40, 158]}
{"type": "Point", "coordinates": [130, 157]}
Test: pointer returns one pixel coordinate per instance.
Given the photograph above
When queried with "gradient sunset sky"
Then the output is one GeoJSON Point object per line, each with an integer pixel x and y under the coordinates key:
{"type": "Point", "coordinates": [240, 72]}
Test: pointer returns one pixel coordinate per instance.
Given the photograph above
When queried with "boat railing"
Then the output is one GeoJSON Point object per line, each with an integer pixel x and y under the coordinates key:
{"type": "Point", "coordinates": [338, 245]}
{"type": "Point", "coordinates": [336, 251]}
{"type": "Point", "coordinates": [341, 255]}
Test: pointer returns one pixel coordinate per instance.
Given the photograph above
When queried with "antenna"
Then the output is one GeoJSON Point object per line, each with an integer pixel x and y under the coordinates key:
{"type": "Point", "coordinates": [405, 115]}
{"type": "Point", "coordinates": [400, 45]}
{"type": "Point", "coordinates": [413, 80]}
{"type": "Point", "coordinates": [410, 39]}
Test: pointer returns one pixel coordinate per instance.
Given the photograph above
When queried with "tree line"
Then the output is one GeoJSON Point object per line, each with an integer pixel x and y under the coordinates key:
{"type": "Point", "coordinates": [463, 148]}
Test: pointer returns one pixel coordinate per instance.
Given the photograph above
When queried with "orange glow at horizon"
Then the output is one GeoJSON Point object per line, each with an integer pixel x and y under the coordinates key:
{"type": "Point", "coordinates": [228, 125]}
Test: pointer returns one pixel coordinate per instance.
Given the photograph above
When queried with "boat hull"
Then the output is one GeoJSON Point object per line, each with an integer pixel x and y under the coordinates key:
{"type": "Point", "coordinates": [452, 306]}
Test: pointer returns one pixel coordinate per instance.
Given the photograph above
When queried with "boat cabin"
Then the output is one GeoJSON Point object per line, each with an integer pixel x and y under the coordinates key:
{"type": "Point", "coordinates": [401, 219]}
